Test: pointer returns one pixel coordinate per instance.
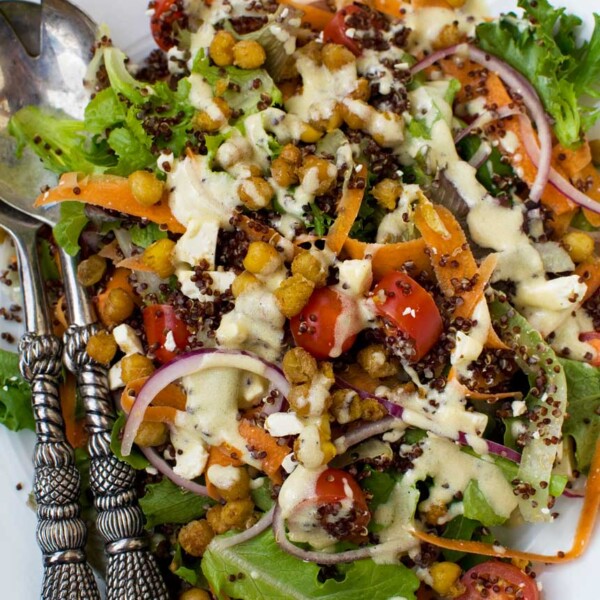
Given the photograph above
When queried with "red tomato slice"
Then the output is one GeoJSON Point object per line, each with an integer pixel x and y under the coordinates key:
{"type": "Point", "coordinates": [159, 321]}
{"type": "Point", "coordinates": [334, 485]}
{"type": "Point", "coordinates": [501, 581]}
{"type": "Point", "coordinates": [315, 328]}
{"type": "Point", "coordinates": [166, 14]}
{"type": "Point", "coordinates": [411, 309]}
{"type": "Point", "coordinates": [335, 30]}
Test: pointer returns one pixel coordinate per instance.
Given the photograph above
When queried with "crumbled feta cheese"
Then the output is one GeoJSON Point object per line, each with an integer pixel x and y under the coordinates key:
{"type": "Point", "coordinates": [282, 424]}
{"type": "Point", "coordinates": [127, 340]}
{"type": "Point", "coordinates": [170, 343]}
{"type": "Point", "coordinates": [355, 276]}
{"type": "Point", "coordinates": [115, 380]}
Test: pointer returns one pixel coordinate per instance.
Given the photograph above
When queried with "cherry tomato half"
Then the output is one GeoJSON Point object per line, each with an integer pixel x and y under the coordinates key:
{"type": "Point", "coordinates": [160, 320]}
{"type": "Point", "coordinates": [335, 30]}
{"type": "Point", "coordinates": [166, 14]}
{"type": "Point", "coordinates": [501, 581]}
{"type": "Point", "coordinates": [334, 485]}
{"type": "Point", "coordinates": [411, 309]}
{"type": "Point", "coordinates": [322, 320]}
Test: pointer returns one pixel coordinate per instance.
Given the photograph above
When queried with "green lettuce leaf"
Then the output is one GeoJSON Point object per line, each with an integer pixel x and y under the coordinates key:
{"type": "Point", "coordinates": [583, 424]}
{"type": "Point", "coordinates": [15, 395]}
{"type": "Point", "coordinates": [268, 572]}
{"type": "Point", "coordinates": [136, 459]}
{"type": "Point", "coordinates": [460, 528]}
{"type": "Point", "coordinates": [166, 502]}
{"type": "Point", "coordinates": [143, 236]}
{"type": "Point", "coordinates": [477, 508]}
{"type": "Point", "coordinates": [72, 222]}
{"type": "Point", "coordinates": [188, 570]}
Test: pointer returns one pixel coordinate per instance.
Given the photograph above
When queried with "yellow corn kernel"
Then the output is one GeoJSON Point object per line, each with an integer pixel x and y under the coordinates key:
{"type": "Point", "coordinates": [310, 267]}
{"type": "Point", "coordinates": [327, 447]}
{"type": "Point", "coordinates": [326, 173]}
{"type": "Point", "coordinates": [151, 434]}
{"type": "Point", "coordinates": [248, 54]}
{"type": "Point", "coordinates": [102, 347]}
{"type": "Point", "coordinates": [136, 366]}
{"type": "Point", "coordinates": [243, 282]}
{"type": "Point", "coordinates": [255, 193]}
{"type": "Point", "coordinates": [444, 575]}
{"type": "Point", "coordinates": [262, 258]}
{"type": "Point", "coordinates": [292, 294]}
{"type": "Point", "coordinates": [291, 154]}
{"type": "Point", "coordinates": [336, 56]}
{"type": "Point", "coordinates": [579, 245]}
{"type": "Point", "coordinates": [284, 172]}
{"type": "Point", "coordinates": [157, 256]}
{"type": "Point", "coordinates": [309, 134]}
{"type": "Point", "coordinates": [146, 188]}
{"type": "Point", "coordinates": [387, 192]}
{"type": "Point", "coordinates": [221, 49]}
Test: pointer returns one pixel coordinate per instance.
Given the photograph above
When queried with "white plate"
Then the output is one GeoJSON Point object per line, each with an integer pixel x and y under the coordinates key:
{"type": "Point", "coordinates": [20, 563]}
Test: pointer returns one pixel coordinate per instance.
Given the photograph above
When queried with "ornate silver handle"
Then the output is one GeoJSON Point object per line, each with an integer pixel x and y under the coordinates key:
{"type": "Point", "coordinates": [132, 571]}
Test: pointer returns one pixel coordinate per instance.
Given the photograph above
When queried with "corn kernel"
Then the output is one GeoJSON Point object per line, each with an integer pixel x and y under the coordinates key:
{"type": "Point", "coordinates": [292, 294]}
{"type": "Point", "coordinates": [579, 245]}
{"type": "Point", "coordinates": [444, 576]}
{"type": "Point", "coordinates": [243, 282]}
{"type": "Point", "coordinates": [262, 258]}
{"type": "Point", "coordinates": [146, 188]}
{"type": "Point", "coordinates": [248, 54]}
{"type": "Point", "coordinates": [157, 256]}
{"type": "Point", "coordinates": [102, 347]}
{"type": "Point", "coordinates": [310, 267]}
{"type": "Point", "coordinates": [387, 192]}
{"type": "Point", "coordinates": [255, 193]}
{"type": "Point", "coordinates": [221, 48]}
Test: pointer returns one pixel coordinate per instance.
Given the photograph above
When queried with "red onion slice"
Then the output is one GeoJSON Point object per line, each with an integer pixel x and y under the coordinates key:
{"type": "Point", "coordinates": [482, 154]}
{"type": "Point", "coordinates": [188, 364]}
{"type": "Point", "coordinates": [483, 119]}
{"type": "Point", "coordinates": [518, 84]}
{"type": "Point", "coordinates": [239, 538]}
{"type": "Point", "coordinates": [588, 336]}
{"type": "Point", "coordinates": [555, 178]}
{"type": "Point", "coordinates": [162, 466]}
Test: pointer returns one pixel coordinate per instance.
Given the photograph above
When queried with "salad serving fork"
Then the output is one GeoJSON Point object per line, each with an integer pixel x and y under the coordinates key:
{"type": "Point", "coordinates": [54, 79]}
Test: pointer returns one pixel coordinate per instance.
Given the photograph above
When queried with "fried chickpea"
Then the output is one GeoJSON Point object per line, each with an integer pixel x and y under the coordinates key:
{"type": "Point", "coordinates": [387, 192]}
{"type": "Point", "coordinates": [310, 134]}
{"type": "Point", "coordinates": [292, 294]}
{"type": "Point", "coordinates": [213, 122]}
{"type": "Point", "coordinates": [356, 113]}
{"type": "Point", "coordinates": [136, 366]}
{"type": "Point", "coordinates": [311, 267]}
{"type": "Point", "coordinates": [158, 257]}
{"type": "Point", "coordinates": [448, 36]}
{"type": "Point", "coordinates": [91, 270]}
{"type": "Point", "coordinates": [579, 245]}
{"type": "Point", "coordinates": [243, 282]}
{"type": "Point", "coordinates": [233, 515]}
{"type": "Point", "coordinates": [146, 188]}
{"type": "Point", "coordinates": [262, 258]}
{"type": "Point", "coordinates": [362, 91]}
{"type": "Point", "coordinates": [333, 122]}
{"type": "Point", "coordinates": [283, 172]}
{"type": "Point", "coordinates": [299, 366]}
{"type": "Point", "coordinates": [118, 307]}
{"type": "Point", "coordinates": [239, 489]}
{"type": "Point", "coordinates": [291, 154]}
{"type": "Point", "coordinates": [195, 594]}
{"type": "Point", "coordinates": [319, 174]}
{"type": "Point", "coordinates": [336, 56]}
{"type": "Point", "coordinates": [248, 54]}
{"type": "Point", "coordinates": [345, 406]}
{"type": "Point", "coordinates": [313, 51]}
{"type": "Point", "coordinates": [374, 360]}
{"type": "Point", "coordinates": [195, 537]}
{"type": "Point", "coordinates": [221, 49]}
{"type": "Point", "coordinates": [102, 347]}
{"type": "Point", "coordinates": [371, 410]}
{"type": "Point", "coordinates": [387, 120]}
{"type": "Point", "coordinates": [151, 434]}
{"type": "Point", "coordinates": [255, 193]}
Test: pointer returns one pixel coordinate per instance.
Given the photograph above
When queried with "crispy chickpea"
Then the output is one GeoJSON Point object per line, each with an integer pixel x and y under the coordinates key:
{"type": "Point", "coordinates": [243, 282]}
{"type": "Point", "coordinates": [221, 87]}
{"type": "Point", "coordinates": [248, 54]}
{"type": "Point", "coordinates": [345, 406]}
{"type": "Point", "coordinates": [333, 122]}
{"type": "Point", "coordinates": [311, 267]}
{"type": "Point", "coordinates": [318, 173]}
{"type": "Point", "coordinates": [356, 114]}
{"type": "Point", "coordinates": [336, 56]}
{"type": "Point", "coordinates": [393, 122]}
{"type": "Point", "coordinates": [216, 119]}
{"type": "Point", "coordinates": [233, 515]}
{"type": "Point", "coordinates": [374, 360]}
{"type": "Point", "coordinates": [221, 49]}
{"type": "Point", "coordinates": [444, 576]}
{"type": "Point", "coordinates": [299, 366]}
{"type": "Point", "coordinates": [146, 188]}
{"type": "Point", "coordinates": [262, 258]}
{"type": "Point", "coordinates": [118, 307]}
{"type": "Point", "coordinates": [158, 257]}
{"type": "Point", "coordinates": [293, 294]}
{"type": "Point", "coordinates": [195, 594]}
{"type": "Point", "coordinates": [291, 154]}
{"type": "Point", "coordinates": [297, 399]}
{"type": "Point", "coordinates": [283, 172]}
{"type": "Point", "coordinates": [387, 192]}
{"type": "Point", "coordinates": [102, 347]}
{"type": "Point", "coordinates": [255, 193]}
{"type": "Point", "coordinates": [362, 91]}
{"type": "Point", "coordinates": [579, 245]}
{"type": "Point", "coordinates": [310, 134]}
{"type": "Point", "coordinates": [195, 537]}
{"type": "Point", "coordinates": [371, 410]}
{"type": "Point", "coordinates": [448, 36]}
{"type": "Point", "coordinates": [91, 270]}
{"type": "Point", "coordinates": [136, 366]}
{"type": "Point", "coordinates": [151, 434]}
{"type": "Point", "coordinates": [313, 51]}
{"type": "Point", "coordinates": [240, 488]}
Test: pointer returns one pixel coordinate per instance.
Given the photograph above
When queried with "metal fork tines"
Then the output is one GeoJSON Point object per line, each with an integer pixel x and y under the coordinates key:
{"type": "Point", "coordinates": [61, 533]}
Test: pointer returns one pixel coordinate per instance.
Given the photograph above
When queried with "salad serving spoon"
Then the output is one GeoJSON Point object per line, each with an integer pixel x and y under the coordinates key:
{"type": "Point", "coordinates": [50, 74]}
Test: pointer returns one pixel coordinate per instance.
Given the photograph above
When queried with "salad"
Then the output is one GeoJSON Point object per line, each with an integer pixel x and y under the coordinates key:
{"type": "Point", "coordinates": [347, 264]}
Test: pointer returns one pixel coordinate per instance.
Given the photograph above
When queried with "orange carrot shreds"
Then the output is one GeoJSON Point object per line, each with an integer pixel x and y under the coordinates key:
{"type": "Point", "coordinates": [134, 263]}
{"type": "Point", "coordinates": [266, 444]}
{"type": "Point", "coordinates": [347, 211]}
{"type": "Point", "coordinates": [164, 406]}
{"type": "Point", "coordinates": [583, 533]}
{"type": "Point", "coordinates": [588, 179]}
{"type": "Point", "coordinates": [571, 161]}
{"type": "Point", "coordinates": [590, 272]}
{"type": "Point", "coordinates": [312, 15]}
{"type": "Point", "coordinates": [74, 428]}
{"type": "Point", "coordinates": [391, 257]}
{"type": "Point", "coordinates": [110, 192]}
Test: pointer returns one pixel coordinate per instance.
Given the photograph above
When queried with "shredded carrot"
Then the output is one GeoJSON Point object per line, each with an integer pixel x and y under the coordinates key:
{"type": "Point", "coordinates": [391, 257]}
{"type": "Point", "coordinates": [347, 211]}
{"type": "Point", "coordinates": [61, 317]}
{"type": "Point", "coordinates": [134, 263]}
{"type": "Point", "coordinates": [111, 192]}
{"type": "Point", "coordinates": [317, 17]}
{"type": "Point", "coordinates": [588, 178]}
{"type": "Point", "coordinates": [261, 441]}
{"type": "Point", "coordinates": [224, 456]}
{"type": "Point", "coordinates": [75, 430]}
{"type": "Point", "coordinates": [164, 406]}
{"type": "Point", "coordinates": [572, 161]}
{"type": "Point", "coordinates": [583, 533]}
{"type": "Point", "coordinates": [590, 271]}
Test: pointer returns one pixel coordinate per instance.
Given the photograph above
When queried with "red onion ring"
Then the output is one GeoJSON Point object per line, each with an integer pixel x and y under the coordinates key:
{"type": "Point", "coordinates": [189, 363]}
{"type": "Point", "coordinates": [482, 154]}
{"type": "Point", "coordinates": [239, 538]}
{"type": "Point", "coordinates": [520, 85]}
{"type": "Point", "coordinates": [555, 178]}
{"type": "Point", "coordinates": [587, 336]}
{"type": "Point", "coordinates": [483, 119]}
{"type": "Point", "coordinates": [162, 466]}
{"type": "Point", "coordinates": [363, 432]}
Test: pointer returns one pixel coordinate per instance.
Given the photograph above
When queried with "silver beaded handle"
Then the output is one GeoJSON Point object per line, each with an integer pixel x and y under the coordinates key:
{"type": "Point", "coordinates": [132, 571]}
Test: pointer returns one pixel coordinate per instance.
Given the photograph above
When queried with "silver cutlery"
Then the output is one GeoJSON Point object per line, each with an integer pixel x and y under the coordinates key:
{"type": "Point", "coordinates": [54, 79]}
